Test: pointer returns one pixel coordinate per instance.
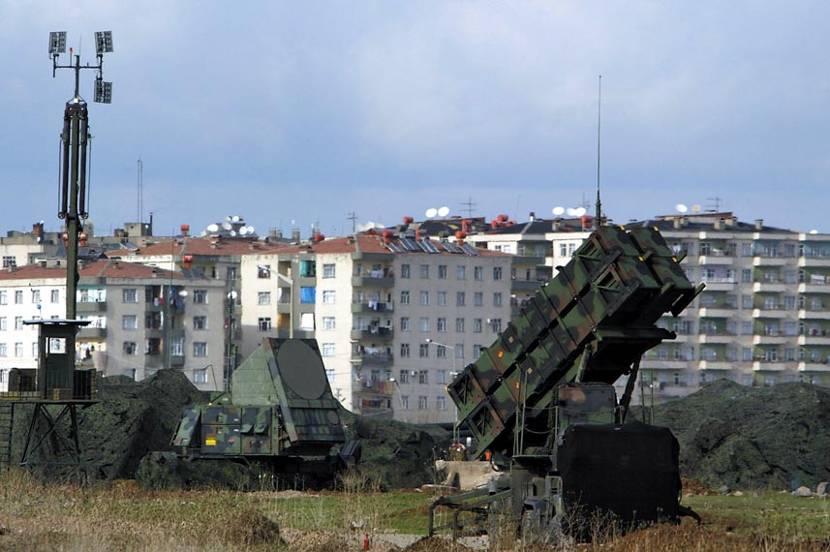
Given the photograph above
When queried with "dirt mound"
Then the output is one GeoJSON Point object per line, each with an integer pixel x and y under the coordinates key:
{"type": "Point", "coordinates": [396, 454]}
{"type": "Point", "coordinates": [433, 544]}
{"type": "Point", "coordinates": [130, 420]}
{"type": "Point", "coordinates": [752, 437]}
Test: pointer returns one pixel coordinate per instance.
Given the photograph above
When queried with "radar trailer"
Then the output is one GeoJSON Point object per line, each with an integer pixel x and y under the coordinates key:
{"type": "Point", "coordinates": [541, 405]}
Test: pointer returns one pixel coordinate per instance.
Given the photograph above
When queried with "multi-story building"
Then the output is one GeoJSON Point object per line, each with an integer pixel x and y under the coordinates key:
{"type": "Point", "coordinates": [141, 319]}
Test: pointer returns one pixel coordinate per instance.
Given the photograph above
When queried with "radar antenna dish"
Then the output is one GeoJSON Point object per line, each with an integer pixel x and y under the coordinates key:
{"type": "Point", "coordinates": [227, 225]}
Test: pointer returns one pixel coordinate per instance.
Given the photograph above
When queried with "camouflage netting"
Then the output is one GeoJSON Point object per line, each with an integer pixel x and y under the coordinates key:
{"type": "Point", "coordinates": [130, 420]}
{"type": "Point", "coordinates": [743, 437]}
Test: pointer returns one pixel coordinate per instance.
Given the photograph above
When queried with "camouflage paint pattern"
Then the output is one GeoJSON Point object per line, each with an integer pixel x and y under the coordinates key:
{"type": "Point", "coordinates": [590, 322]}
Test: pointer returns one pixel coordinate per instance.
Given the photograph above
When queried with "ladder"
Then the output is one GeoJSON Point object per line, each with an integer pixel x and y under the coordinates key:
{"type": "Point", "coordinates": [6, 421]}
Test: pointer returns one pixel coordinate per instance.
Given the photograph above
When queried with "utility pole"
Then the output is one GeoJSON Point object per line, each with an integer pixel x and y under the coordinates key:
{"type": "Point", "coordinates": [74, 161]}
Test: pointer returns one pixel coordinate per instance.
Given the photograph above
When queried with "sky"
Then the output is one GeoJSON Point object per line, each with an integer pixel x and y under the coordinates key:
{"type": "Point", "coordinates": [296, 113]}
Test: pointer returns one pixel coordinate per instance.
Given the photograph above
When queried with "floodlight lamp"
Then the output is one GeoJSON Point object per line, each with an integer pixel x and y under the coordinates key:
{"type": "Point", "coordinates": [57, 43]}
{"type": "Point", "coordinates": [103, 91]}
{"type": "Point", "coordinates": [103, 42]}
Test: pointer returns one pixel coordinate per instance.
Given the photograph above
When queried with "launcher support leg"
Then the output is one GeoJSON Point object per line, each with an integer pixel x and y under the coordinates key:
{"type": "Point", "coordinates": [629, 390]}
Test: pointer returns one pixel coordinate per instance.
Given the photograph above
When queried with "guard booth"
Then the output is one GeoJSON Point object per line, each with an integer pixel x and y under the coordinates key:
{"type": "Point", "coordinates": [52, 394]}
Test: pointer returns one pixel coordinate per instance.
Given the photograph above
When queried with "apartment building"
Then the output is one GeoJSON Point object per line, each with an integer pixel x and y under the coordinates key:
{"type": "Point", "coordinates": [141, 319]}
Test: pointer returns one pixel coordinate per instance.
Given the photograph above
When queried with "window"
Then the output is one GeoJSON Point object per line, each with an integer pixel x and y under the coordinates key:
{"type": "Point", "coordinates": [404, 298]}
{"type": "Point", "coordinates": [264, 323]}
{"type": "Point", "coordinates": [129, 322]}
{"type": "Point", "coordinates": [441, 403]}
{"type": "Point", "coordinates": [440, 351]}
{"type": "Point", "coordinates": [495, 324]}
{"type": "Point", "coordinates": [478, 273]}
{"type": "Point", "coordinates": [327, 349]}
{"type": "Point", "coordinates": [9, 261]}
{"type": "Point", "coordinates": [459, 325]}
{"type": "Point", "coordinates": [200, 376]}
{"type": "Point", "coordinates": [423, 377]}
{"type": "Point", "coordinates": [18, 322]}
{"type": "Point", "coordinates": [3, 351]}
{"type": "Point", "coordinates": [263, 271]}
{"type": "Point", "coordinates": [422, 403]}
{"type": "Point", "coordinates": [177, 347]}
{"type": "Point", "coordinates": [404, 271]}
{"type": "Point", "coordinates": [328, 296]}
{"type": "Point", "coordinates": [497, 273]}
{"type": "Point", "coordinates": [404, 402]}
{"type": "Point", "coordinates": [18, 349]}
{"type": "Point", "coordinates": [18, 297]}
{"type": "Point", "coordinates": [746, 301]}
{"type": "Point", "coordinates": [200, 322]}
{"type": "Point", "coordinates": [404, 375]}
{"type": "Point", "coordinates": [563, 249]}
{"type": "Point", "coordinates": [459, 350]}
{"type": "Point", "coordinates": [3, 298]}
{"type": "Point", "coordinates": [442, 298]}
{"type": "Point", "coordinates": [308, 295]}
{"type": "Point", "coordinates": [425, 298]}
{"type": "Point", "coordinates": [478, 299]}
{"type": "Point", "coordinates": [3, 326]}
{"type": "Point", "coordinates": [423, 323]}
{"type": "Point", "coordinates": [477, 350]}
{"type": "Point", "coordinates": [200, 349]}
{"type": "Point", "coordinates": [441, 377]}
{"type": "Point", "coordinates": [230, 275]}
{"type": "Point", "coordinates": [441, 324]}
{"type": "Point", "coordinates": [308, 269]}
{"type": "Point", "coordinates": [35, 296]}
{"type": "Point", "coordinates": [497, 299]}
{"type": "Point", "coordinates": [404, 353]}
{"type": "Point", "coordinates": [200, 296]}
{"type": "Point", "coordinates": [329, 270]}
{"type": "Point", "coordinates": [404, 323]}
{"type": "Point", "coordinates": [128, 295]}
{"type": "Point", "coordinates": [424, 271]}
{"type": "Point", "coordinates": [442, 272]}
{"type": "Point", "coordinates": [328, 323]}
{"type": "Point", "coordinates": [460, 298]}
{"type": "Point", "coordinates": [423, 350]}
{"type": "Point", "coordinates": [746, 275]}
{"type": "Point", "coordinates": [460, 272]}
{"type": "Point", "coordinates": [477, 325]}
{"type": "Point", "coordinates": [263, 298]}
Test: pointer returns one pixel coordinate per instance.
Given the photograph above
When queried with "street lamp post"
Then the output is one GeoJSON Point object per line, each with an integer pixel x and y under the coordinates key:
{"type": "Point", "coordinates": [454, 373]}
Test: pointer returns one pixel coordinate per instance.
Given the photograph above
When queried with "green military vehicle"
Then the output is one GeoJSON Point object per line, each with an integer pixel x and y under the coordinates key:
{"type": "Point", "coordinates": [541, 405]}
{"type": "Point", "coordinates": [279, 412]}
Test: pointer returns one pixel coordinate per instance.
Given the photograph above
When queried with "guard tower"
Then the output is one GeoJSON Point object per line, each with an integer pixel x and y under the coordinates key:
{"type": "Point", "coordinates": [50, 397]}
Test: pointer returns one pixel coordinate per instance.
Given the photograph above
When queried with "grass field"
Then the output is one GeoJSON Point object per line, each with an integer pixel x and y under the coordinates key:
{"type": "Point", "coordinates": [120, 516]}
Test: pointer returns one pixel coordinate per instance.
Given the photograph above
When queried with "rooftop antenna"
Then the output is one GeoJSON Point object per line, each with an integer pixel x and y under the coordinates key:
{"type": "Point", "coordinates": [714, 204]}
{"type": "Point", "coordinates": [468, 206]}
{"type": "Point", "coordinates": [598, 219]}
{"type": "Point", "coordinates": [140, 188]}
{"type": "Point", "coordinates": [353, 217]}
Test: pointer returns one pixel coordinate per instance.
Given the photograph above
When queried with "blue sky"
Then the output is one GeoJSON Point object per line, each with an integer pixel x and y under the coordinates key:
{"type": "Point", "coordinates": [305, 111]}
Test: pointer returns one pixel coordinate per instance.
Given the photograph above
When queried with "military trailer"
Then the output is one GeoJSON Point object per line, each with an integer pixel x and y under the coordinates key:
{"type": "Point", "coordinates": [541, 405]}
{"type": "Point", "coordinates": [279, 412]}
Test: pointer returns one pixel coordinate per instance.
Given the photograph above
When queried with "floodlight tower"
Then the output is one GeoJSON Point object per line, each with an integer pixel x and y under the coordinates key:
{"type": "Point", "coordinates": [74, 141]}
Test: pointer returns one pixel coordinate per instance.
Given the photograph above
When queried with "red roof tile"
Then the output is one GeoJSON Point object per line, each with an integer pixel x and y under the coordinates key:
{"type": "Point", "coordinates": [208, 247]}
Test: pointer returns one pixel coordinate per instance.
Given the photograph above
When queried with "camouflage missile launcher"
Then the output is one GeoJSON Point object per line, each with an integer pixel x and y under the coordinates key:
{"type": "Point", "coordinates": [540, 401]}
{"type": "Point", "coordinates": [280, 411]}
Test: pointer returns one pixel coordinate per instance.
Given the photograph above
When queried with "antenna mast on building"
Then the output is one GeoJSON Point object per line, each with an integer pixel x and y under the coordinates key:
{"type": "Point", "coordinates": [353, 217]}
{"type": "Point", "coordinates": [140, 189]}
{"type": "Point", "coordinates": [598, 219]}
{"type": "Point", "coordinates": [469, 206]}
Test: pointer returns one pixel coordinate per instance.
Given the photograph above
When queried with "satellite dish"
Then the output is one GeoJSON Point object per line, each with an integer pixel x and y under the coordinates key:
{"type": "Point", "coordinates": [228, 218]}
{"type": "Point", "coordinates": [558, 211]}
{"type": "Point", "coordinates": [203, 234]}
{"type": "Point", "coordinates": [251, 229]}
{"type": "Point", "coordinates": [227, 225]}
{"type": "Point", "coordinates": [443, 211]}
{"type": "Point", "coordinates": [431, 212]}
{"type": "Point", "coordinates": [814, 231]}
{"type": "Point", "coordinates": [235, 218]}
{"type": "Point", "coordinates": [233, 233]}
{"type": "Point", "coordinates": [213, 227]}
{"type": "Point", "coordinates": [580, 211]}
{"type": "Point", "coordinates": [696, 208]}
{"type": "Point", "coordinates": [681, 208]}
{"type": "Point", "coordinates": [243, 231]}
{"type": "Point", "coordinates": [571, 212]}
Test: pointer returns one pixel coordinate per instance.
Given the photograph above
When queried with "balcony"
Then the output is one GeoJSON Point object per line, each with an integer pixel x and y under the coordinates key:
{"type": "Point", "coordinates": [88, 307]}
{"type": "Point", "coordinates": [90, 332]}
{"type": "Point", "coordinates": [759, 260]}
{"type": "Point", "coordinates": [298, 334]}
{"type": "Point", "coordinates": [716, 258]}
{"type": "Point", "coordinates": [814, 287]}
{"type": "Point", "coordinates": [372, 307]}
{"type": "Point", "coordinates": [771, 365]}
{"type": "Point", "coordinates": [716, 337]}
{"type": "Point", "coordinates": [284, 308]}
{"type": "Point", "coordinates": [770, 286]}
{"type": "Point", "coordinates": [815, 337]}
{"type": "Point", "coordinates": [772, 311]}
{"type": "Point", "coordinates": [526, 285]}
{"type": "Point", "coordinates": [373, 359]}
{"type": "Point", "coordinates": [818, 314]}
{"type": "Point", "coordinates": [664, 364]}
{"type": "Point", "coordinates": [373, 334]}
{"type": "Point", "coordinates": [813, 366]}
{"type": "Point", "coordinates": [716, 365]}
{"type": "Point", "coordinates": [376, 278]}
{"type": "Point", "coordinates": [716, 311]}
{"type": "Point", "coordinates": [720, 283]}
{"type": "Point", "coordinates": [176, 359]}
{"type": "Point", "coordinates": [771, 337]}
{"type": "Point", "coordinates": [814, 261]}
